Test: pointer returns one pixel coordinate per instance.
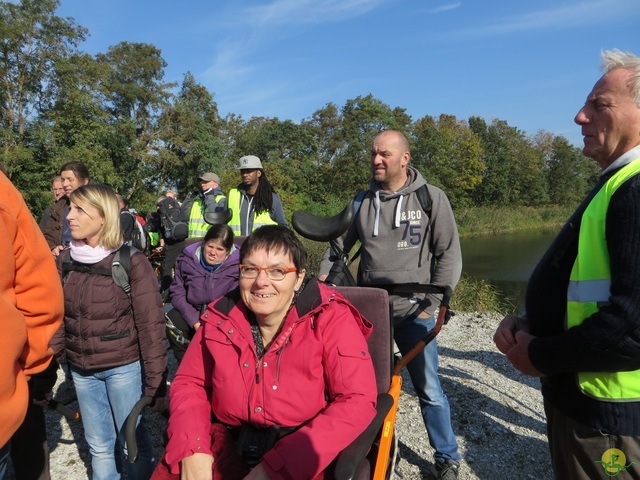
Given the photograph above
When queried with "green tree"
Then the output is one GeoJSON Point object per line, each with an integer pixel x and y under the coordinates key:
{"type": "Point", "coordinates": [449, 156]}
{"type": "Point", "coordinates": [325, 145]}
{"type": "Point", "coordinates": [362, 118]}
{"type": "Point", "coordinates": [33, 40]}
{"type": "Point", "coordinates": [78, 121]}
{"type": "Point", "coordinates": [514, 173]}
{"type": "Point", "coordinates": [136, 95]}
{"type": "Point", "coordinates": [190, 134]}
{"type": "Point", "coordinates": [285, 149]}
{"type": "Point", "coordinates": [570, 175]}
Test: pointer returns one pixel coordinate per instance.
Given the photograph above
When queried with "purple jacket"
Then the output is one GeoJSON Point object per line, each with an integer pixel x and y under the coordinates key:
{"type": "Point", "coordinates": [193, 286]}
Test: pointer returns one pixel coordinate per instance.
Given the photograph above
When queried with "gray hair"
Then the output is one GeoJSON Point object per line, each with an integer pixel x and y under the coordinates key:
{"type": "Point", "coordinates": [612, 59]}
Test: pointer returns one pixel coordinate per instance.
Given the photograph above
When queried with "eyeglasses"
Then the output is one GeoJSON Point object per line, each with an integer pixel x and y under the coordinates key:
{"type": "Point", "coordinates": [273, 273]}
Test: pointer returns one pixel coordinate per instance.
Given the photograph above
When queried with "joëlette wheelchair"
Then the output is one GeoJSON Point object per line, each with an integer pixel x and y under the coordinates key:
{"type": "Point", "coordinates": [373, 455]}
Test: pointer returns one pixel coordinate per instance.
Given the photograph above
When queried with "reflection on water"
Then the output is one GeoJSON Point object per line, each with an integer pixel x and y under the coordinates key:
{"type": "Point", "coordinates": [506, 260]}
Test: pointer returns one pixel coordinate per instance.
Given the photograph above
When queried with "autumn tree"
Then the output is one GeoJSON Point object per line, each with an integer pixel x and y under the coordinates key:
{"type": "Point", "coordinates": [514, 173]}
{"type": "Point", "coordinates": [362, 119]}
{"type": "Point", "coordinates": [449, 155]}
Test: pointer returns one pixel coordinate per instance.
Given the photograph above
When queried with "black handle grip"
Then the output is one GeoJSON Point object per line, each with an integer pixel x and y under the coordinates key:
{"type": "Point", "coordinates": [67, 412]}
{"type": "Point", "coordinates": [130, 428]}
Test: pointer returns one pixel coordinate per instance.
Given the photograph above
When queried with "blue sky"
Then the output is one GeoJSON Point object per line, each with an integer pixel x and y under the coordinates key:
{"type": "Point", "coordinates": [530, 63]}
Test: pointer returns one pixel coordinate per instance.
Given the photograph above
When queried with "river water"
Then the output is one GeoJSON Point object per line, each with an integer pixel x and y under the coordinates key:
{"type": "Point", "coordinates": [506, 260]}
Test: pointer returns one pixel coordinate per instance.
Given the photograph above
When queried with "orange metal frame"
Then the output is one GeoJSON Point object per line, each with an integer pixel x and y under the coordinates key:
{"type": "Point", "coordinates": [388, 427]}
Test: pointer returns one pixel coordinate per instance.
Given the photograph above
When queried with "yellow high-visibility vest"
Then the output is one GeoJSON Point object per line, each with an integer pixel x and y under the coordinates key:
{"type": "Point", "coordinates": [197, 226]}
{"type": "Point", "coordinates": [233, 200]}
{"type": "Point", "coordinates": [589, 288]}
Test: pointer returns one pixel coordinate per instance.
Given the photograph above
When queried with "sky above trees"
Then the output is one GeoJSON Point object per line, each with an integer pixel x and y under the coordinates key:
{"type": "Point", "coordinates": [116, 112]}
{"type": "Point", "coordinates": [529, 63]}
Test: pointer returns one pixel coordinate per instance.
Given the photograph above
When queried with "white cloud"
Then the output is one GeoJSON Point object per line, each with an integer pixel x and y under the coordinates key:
{"type": "Point", "coordinates": [228, 67]}
{"type": "Point", "coordinates": [578, 14]}
{"type": "Point", "coordinates": [234, 66]}
{"type": "Point", "coordinates": [291, 12]}
{"type": "Point", "coordinates": [446, 7]}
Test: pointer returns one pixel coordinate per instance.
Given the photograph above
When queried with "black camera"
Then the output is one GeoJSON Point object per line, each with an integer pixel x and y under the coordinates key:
{"type": "Point", "coordinates": [254, 442]}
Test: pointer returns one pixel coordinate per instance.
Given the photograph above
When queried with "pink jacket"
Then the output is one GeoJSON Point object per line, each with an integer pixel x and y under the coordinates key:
{"type": "Point", "coordinates": [320, 353]}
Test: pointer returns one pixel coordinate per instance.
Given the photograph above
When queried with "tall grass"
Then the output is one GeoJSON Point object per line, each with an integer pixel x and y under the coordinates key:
{"type": "Point", "coordinates": [490, 220]}
{"type": "Point", "coordinates": [478, 295]}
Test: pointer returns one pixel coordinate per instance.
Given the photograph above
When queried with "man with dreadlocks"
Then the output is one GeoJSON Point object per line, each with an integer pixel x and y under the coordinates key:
{"type": "Point", "coordinates": [254, 202]}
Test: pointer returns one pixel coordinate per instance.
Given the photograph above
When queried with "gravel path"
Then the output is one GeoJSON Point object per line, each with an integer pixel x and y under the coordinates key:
{"type": "Point", "coordinates": [497, 415]}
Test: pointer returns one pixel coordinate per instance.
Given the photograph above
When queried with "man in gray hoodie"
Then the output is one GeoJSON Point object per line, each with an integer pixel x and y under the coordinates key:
{"type": "Point", "coordinates": [403, 243]}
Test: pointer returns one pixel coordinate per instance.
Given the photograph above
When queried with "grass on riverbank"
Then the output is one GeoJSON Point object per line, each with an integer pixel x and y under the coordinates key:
{"type": "Point", "coordinates": [491, 220]}
{"type": "Point", "coordinates": [478, 295]}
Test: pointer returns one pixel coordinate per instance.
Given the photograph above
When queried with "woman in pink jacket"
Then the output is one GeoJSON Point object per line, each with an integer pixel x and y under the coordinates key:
{"type": "Point", "coordinates": [275, 361]}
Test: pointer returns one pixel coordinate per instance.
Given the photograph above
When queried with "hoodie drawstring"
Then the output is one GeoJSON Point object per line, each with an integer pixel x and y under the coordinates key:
{"type": "Point", "coordinates": [396, 221]}
{"type": "Point", "coordinates": [376, 222]}
{"type": "Point", "coordinates": [397, 216]}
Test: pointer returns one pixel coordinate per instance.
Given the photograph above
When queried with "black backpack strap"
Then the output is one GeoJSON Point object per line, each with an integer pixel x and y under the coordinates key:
{"type": "Point", "coordinates": [357, 203]}
{"type": "Point", "coordinates": [121, 268]}
{"type": "Point", "coordinates": [65, 265]}
{"type": "Point", "coordinates": [68, 265]}
{"type": "Point", "coordinates": [425, 199]}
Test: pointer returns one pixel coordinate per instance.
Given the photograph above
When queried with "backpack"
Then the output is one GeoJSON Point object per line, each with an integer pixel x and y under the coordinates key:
{"type": "Point", "coordinates": [120, 269]}
{"type": "Point", "coordinates": [138, 236]}
{"type": "Point", "coordinates": [173, 228]}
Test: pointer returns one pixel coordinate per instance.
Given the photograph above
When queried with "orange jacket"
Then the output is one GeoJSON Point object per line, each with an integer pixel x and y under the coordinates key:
{"type": "Point", "coordinates": [31, 305]}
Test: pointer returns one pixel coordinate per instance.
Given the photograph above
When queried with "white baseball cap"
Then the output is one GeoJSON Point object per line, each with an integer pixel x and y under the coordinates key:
{"type": "Point", "coordinates": [249, 162]}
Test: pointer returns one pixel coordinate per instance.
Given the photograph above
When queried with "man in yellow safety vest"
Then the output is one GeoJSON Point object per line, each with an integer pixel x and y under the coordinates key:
{"type": "Point", "coordinates": [581, 332]}
{"type": "Point", "coordinates": [254, 202]}
{"type": "Point", "coordinates": [207, 198]}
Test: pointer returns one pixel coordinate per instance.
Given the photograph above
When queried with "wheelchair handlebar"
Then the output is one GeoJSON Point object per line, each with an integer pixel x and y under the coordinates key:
{"type": "Point", "coordinates": [404, 288]}
{"type": "Point", "coordinates": [130, 428]}
{"type": "Point", "coordinates": [323, 229]}
{"type": "Point", "coordinates": [213, 218]}
{"type": "Point", "coordinates": [62, 409]}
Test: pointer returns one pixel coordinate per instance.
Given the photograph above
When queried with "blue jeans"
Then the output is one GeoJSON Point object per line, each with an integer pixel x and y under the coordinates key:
{"type": "Point", "coordinates": [106, 398]}
{"type": "Point", "coordinates": [423, 371]}
{"type": "Point", "coordinates": [4, 458]}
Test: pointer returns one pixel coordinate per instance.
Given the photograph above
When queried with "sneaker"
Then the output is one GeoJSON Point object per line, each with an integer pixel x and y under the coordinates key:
{"type": "Point", "coordinates": [447, 469]}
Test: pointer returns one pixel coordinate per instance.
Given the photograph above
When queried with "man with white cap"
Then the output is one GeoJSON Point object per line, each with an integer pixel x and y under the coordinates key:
{"type": "Point", "coordinates": [254, 202]}
{"type": "Point", "coordinates": [207, 198]}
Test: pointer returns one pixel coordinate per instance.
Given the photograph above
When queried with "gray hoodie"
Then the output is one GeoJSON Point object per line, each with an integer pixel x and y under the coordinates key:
{"type": "Point", "coordinates": [399, 241]}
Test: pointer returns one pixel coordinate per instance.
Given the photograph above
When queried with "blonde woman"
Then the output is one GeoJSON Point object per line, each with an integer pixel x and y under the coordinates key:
{"type": "Point", "coordinates": [115, 346]}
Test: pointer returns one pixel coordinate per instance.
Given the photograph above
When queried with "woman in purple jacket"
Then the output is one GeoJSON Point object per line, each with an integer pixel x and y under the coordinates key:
{"type": "Point", "coordinates": [203, 272]}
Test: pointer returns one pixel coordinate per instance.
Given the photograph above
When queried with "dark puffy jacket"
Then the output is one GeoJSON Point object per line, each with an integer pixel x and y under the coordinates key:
{"type": "Point", "coordinates": [193, 286]}
{"type": "Point", "coordinates": [99, 330]}
{"type": "Point", "coordinates": [52, 228]}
